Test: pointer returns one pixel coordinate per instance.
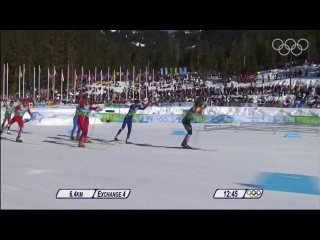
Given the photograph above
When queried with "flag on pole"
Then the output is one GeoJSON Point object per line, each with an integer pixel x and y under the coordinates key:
{"type": "Point", "coordinates": [113, 77]}
{"type": "Point", "coordinates": [76, 77]}
{"type": "Point", "coordinates": [48, 83]}
{"type": "Point", "coordinates": [127, 76]}
{"type": "Point", "coordinates": [139, 84]}
{"type": "Point", "coordinates": [34, 84]}
{"type": "Point", "coordinates": [108, 83]}
{"type": "Point", "coordinates": [101, 85]}
{"type": "Point", "coordinates": [39, 74]}
{"type": "Point", "coordinates": [70, 73]}
{"type": "Point", "coordinates": [7, 80]}
{"type": "Point", "coordinates": [54, 72]}
{"type": "Point", "coordinates": [61, 85]}
{"type": "Point", "coordinates": [75, 83]}
{"type": "Point", "coordinates": [20, 76]}
{"type": "Point", "coordinates": [20, 72]}
{"type": "Point", "coordinates": [68, 76]}
{"type": "Point", "coordinates": [82, 72]}
{"type": "Point", "coordinates": [3, 78]}
{"type": "Point", "coordinates": [138, 76]}
{"type": "Point", "coordinates": [23, 78]}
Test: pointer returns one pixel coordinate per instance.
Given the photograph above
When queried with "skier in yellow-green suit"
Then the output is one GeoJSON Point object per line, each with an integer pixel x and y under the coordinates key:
{"type": "Point", "coordinates": [197, 109]}
{"type": "Point", "coordinates": [7, 115]}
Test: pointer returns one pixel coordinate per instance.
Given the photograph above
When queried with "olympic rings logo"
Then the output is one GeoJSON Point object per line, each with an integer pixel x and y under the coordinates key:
{"type": "Point", "coordinates": [255, 193]}
{"type": "Point", "coordinates": [287, 49]}
{"type": "Point", "coordinates": [162, 118]}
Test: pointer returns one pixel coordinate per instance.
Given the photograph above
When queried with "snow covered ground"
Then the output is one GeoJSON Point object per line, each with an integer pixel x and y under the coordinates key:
{"type": "Point", "coordinates": [159, 173]}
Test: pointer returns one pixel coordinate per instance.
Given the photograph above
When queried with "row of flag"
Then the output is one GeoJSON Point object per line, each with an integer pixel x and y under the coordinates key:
{"type": "Point", "coordinates": [71, 73]}
{"type": "Point", "coordinates": [73, 77]}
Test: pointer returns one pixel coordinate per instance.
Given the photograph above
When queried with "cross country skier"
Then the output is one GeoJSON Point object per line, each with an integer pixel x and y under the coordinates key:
{"type": "Point", "coordinates": [128, 118]}
{"type": "Point", "coordinates": [84, 111]}
{"type": "Point", "coordinates": [19, 111]}
{"type": "Point", "coordinates": [75, 124]}
{"type": "Point", "coordinates": [7, 115]}
{"type": "Point", "coordinates": [197, 109]}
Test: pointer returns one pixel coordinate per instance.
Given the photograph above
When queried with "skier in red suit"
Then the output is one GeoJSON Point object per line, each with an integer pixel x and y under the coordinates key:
{"type": "Point", "coordinates": [19, 111]}
{"type": "Point", "coordinates": [85, 108]}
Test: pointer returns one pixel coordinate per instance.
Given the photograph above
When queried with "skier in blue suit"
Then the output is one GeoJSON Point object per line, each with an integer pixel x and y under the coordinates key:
{"type": "Point", "coordinates": [75, 124]}
{"type": "Point", "coordinates": [128, 118]}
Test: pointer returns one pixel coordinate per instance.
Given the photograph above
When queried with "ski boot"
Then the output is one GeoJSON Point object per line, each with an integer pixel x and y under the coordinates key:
{"type": "Point", "coordinates": [185, 145]}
